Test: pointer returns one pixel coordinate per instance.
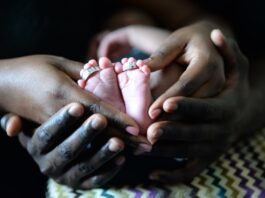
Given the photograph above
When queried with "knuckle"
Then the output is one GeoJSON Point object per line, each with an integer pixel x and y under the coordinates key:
{"type": "Point", "coordinates": [44, 135]}
{"type": "Point", "coordinates": [62, 118]}
{"type": "Point", "coordinates": [65, 152]}
{"type": "Point", "coordinates": [58, 93]}
{"type": "Point", "coordinates": [84, 133]}
{"type": "Point", "coordinates": [94, 108]}
{"type": "Point", "coordinates": [85, 168]}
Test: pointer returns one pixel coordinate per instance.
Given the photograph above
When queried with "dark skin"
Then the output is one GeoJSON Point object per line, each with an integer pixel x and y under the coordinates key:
{"type": "Point", "coordinates": [213, 114]}
{"type": "Point", "coordinates": [56, 78]}
{"type": "Point", "coordinates": [217, 119]}
{"type": "Point", "coordinates": [61, 160]}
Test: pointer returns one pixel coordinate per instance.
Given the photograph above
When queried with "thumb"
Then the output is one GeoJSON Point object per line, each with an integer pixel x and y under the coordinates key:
{"type": "Point", "coordinates": [12, 124]}
{"type": "Point", "coordinates": [170, 50]}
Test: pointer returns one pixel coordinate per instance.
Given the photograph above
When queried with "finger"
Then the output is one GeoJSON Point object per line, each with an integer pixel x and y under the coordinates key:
{"type": "Point", "coordinates": [198, 72]}
{"type": "Point", "coordinates": [139, 142]}
{"type": "Point", "coordinates": [104, 177]}
{"type": "Point", "coordinates": [23, 139]}
{"type": "Point", "coordinates": [221, 43]}
{"type": "Point", "coordinates": [12, 124]}
{"type": "Point", "coordinates": [74, 144]}
{"type": "Point", "coordinates": [105, 154]}
{"type": "Point", "coordinates": [47, 135]}
{"type": "Point", "coordinates": [94, 105]}
{"type": "Point", "coordinates": [230, 51]}
{"type": "Point", "coordinates": [70, 67]}
{"type": "Point", "coordinates": [197, 108]}
{"type": "Point", "coordinates": [169, 51]}
{"type": "Point", "coordinates": [179, 131]}
{"type": "Point", "coordinates": [186, 174]}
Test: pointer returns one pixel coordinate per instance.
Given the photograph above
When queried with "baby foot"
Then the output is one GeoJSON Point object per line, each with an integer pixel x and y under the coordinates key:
{"type": "Point", "coordinates": [135, 88]}
{"type": "Point", "coordinates": [101, 80]}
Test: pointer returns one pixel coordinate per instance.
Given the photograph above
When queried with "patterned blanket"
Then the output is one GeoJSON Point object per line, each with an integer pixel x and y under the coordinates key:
{"type": "Point", "coordinates": [240, 172]}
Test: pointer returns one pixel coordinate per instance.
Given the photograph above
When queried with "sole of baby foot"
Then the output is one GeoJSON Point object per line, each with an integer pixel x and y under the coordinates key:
{"type": "Point", "coordinates": [135, 88]}
{"type": "Point", "coordinates": [103, 82]}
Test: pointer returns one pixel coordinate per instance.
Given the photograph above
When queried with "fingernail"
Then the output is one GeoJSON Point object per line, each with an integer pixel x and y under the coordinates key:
{"type": "Point", "coordinates": [9, 128]}
{"type": "Point", "coordinates": [120, 160]}
{"type": "Point", "coordinates": [155, 113]}
{"type": "Point", "coordinates": [115, 146]}
{"type": "Point", "coordinates": [156, 136]}
{"type": "Point", "coordinates": [132, 130]}
{"type": "Point", "coordinates": [97, 124]}
{"type": "Point", "coordinates": [76, 110]}
{"type": "Point", "coordinates": [170, 107]}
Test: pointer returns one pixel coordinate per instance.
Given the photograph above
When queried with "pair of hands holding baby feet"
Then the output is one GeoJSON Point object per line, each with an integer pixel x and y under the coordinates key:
{"type": "Point", "coordinates": [204, 108]}
{"type": "Point", "coordinates": [187, 127]}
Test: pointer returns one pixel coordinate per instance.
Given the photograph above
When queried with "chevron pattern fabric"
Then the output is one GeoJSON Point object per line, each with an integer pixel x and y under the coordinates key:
{"type": "Point", "coordinates": [238, 173]}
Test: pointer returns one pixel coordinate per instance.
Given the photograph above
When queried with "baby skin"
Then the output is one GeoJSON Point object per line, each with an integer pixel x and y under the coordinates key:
{"type": "Point", "coordinates": [123, 85]}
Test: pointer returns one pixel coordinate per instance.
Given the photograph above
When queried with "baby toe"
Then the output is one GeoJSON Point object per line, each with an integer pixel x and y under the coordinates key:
{"type": "Point", "coordinates": [104, 63]}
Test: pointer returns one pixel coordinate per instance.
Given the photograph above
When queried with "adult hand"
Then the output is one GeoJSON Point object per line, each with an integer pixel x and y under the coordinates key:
{"type": "Point", "coordinates": [190, 47]}
{"type": "Point", "coordinates": [200, 129]}
{"type": "Point", "coordinates": [35, 87]}
{"type": "Point", "coordinates": [65, 156]}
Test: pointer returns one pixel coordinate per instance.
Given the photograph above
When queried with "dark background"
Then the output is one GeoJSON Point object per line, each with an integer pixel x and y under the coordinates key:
{"type": "Point", "coordinates": [31, 27]}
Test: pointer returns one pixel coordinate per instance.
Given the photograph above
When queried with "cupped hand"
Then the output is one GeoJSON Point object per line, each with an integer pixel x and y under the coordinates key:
{"type": "Point", "coordinates": [191, 49]}
{"type": "Point", "coordinates": [199, 130]}
{"type": "Point", "coordinates": [35, 87]}
{"type": "Point", "coordinates": [62, 148]}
